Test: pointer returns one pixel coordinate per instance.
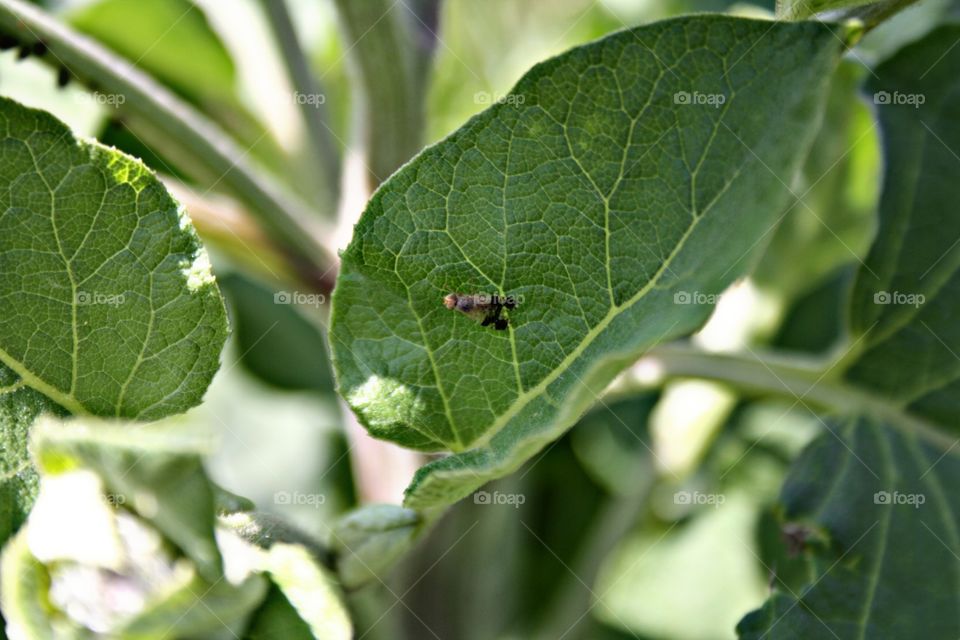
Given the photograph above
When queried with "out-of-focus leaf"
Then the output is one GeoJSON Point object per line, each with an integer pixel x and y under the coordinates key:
{"type": "Point", "coordinates": [613, 445]}
{"type": "Point", "coordinates": [310, 589]}
{"type": "Point", "coordinates": [688, 582]}
{"type": "Point", "coordinates": [277, 618]}
{"type": "Point", "coordinates": [23, 581]}
{"type": "Point", "coordinates": [370, 540]}
{"type": "Point", "coordinates": [274, 340]}
{"type": "Point", "coordinates": [113, 574]}
{"type": "Point", "coordinates": [904, 303]}
{"type": "Point", "coordinates": [814, 322]}
{"type": "Point", "coordinates": [830, 215]}
{"type": "Point", "coordinates": [155, 470]}
{"type": "Point", "coordinates": [563, 197]}
{"type": "Point", "coordinates": [109, 304]}
{"type": "Point", "coordinates": [170, 38]}
{"type": "Point", "coordinates": [889, 570]}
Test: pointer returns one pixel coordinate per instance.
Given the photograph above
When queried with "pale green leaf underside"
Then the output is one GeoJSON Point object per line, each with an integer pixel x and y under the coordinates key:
{"type": "Point", "coordinates": [905, 301]}
{"type": "Point", "coordinates": [108, 304]}
{"type": "Point", "coordinates": [596, 194]}
{"type": "Point", "coordinates": [890, 570]}
{"type": "Point", "coordinates": [19, 408]}
{"type": "Point", "coordinates": [310, 589]}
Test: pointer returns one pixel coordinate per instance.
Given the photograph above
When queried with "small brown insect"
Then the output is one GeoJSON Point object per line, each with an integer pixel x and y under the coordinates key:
{"type": "Point", "coordinates": [482, 306]}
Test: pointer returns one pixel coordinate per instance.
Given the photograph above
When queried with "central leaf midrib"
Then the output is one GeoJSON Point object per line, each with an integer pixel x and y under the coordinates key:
{"type": "Point", "coordinates": [524, 399]}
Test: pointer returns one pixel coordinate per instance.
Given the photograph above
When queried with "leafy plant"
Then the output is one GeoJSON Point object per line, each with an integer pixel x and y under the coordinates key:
{"type": "Point", "coordinates": [696, 277]}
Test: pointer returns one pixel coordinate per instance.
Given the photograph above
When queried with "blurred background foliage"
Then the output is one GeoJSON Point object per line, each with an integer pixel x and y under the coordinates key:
{"type": "Point", "coordinates": [600, 523]}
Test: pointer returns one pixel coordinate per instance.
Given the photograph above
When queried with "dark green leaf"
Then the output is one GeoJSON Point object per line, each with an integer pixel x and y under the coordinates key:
{"type": "Point", "coordinates": [274, 339]}
{"type": "Point", "coordinates": [889, 570]}
{"type": "Point", "coordinates": [610, 180]}
{"type": "Point", "coordinates": [905, 300]}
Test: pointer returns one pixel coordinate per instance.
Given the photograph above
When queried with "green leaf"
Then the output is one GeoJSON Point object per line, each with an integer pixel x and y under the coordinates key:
{"type": "Point", "coordinates": [370, 540]}
{"type": "Point", "coordinates": [610, 180]}
{"type": "Point", "coordinates": [19, 407]}
{"type": "Point", "coordinates": [904, 302]}
{"type": "Point", "coordinates": [275, 340]}
{"type": "Point", "coordinates": [310, 589]}
{"type": "Point", "coordinates": [276, 618]}
{"type": "Point", "coordinates": [830, 218]}
{"type": "Point", "coordinates": [889, 569]}
{"type": "Point", "coordinates": [109, 304]}
{"type": "Point", "coordinates": [154, 470]}
{"type": "Point", "coordinates": [23, 580]}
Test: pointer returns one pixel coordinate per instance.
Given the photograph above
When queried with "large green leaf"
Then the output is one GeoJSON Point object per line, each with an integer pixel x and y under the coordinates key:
{"type": "Point", "coordinates": [889, 567]}
{"type": "Point", "coordinates": [109, 304]}
{"type": "Point", "coordinates": [610, 180]}
{"type": "Point", "coordinates": [904, 303]}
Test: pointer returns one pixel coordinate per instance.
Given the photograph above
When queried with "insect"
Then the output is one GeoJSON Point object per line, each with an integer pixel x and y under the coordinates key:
{"type": "Point", "coordinates": [482, 306]}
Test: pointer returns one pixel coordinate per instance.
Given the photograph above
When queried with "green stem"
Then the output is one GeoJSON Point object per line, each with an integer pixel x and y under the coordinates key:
{"type": "Point", "coordinates": [379, 35]}
{"type": "Point", "coordinates": [288, 221]}
{"type": "Point", "coordinates": [313, 112]}
{"type": "Point", "coordinates": [805, 381]}
{"type": "Point", "coordinates": [871, 14]}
